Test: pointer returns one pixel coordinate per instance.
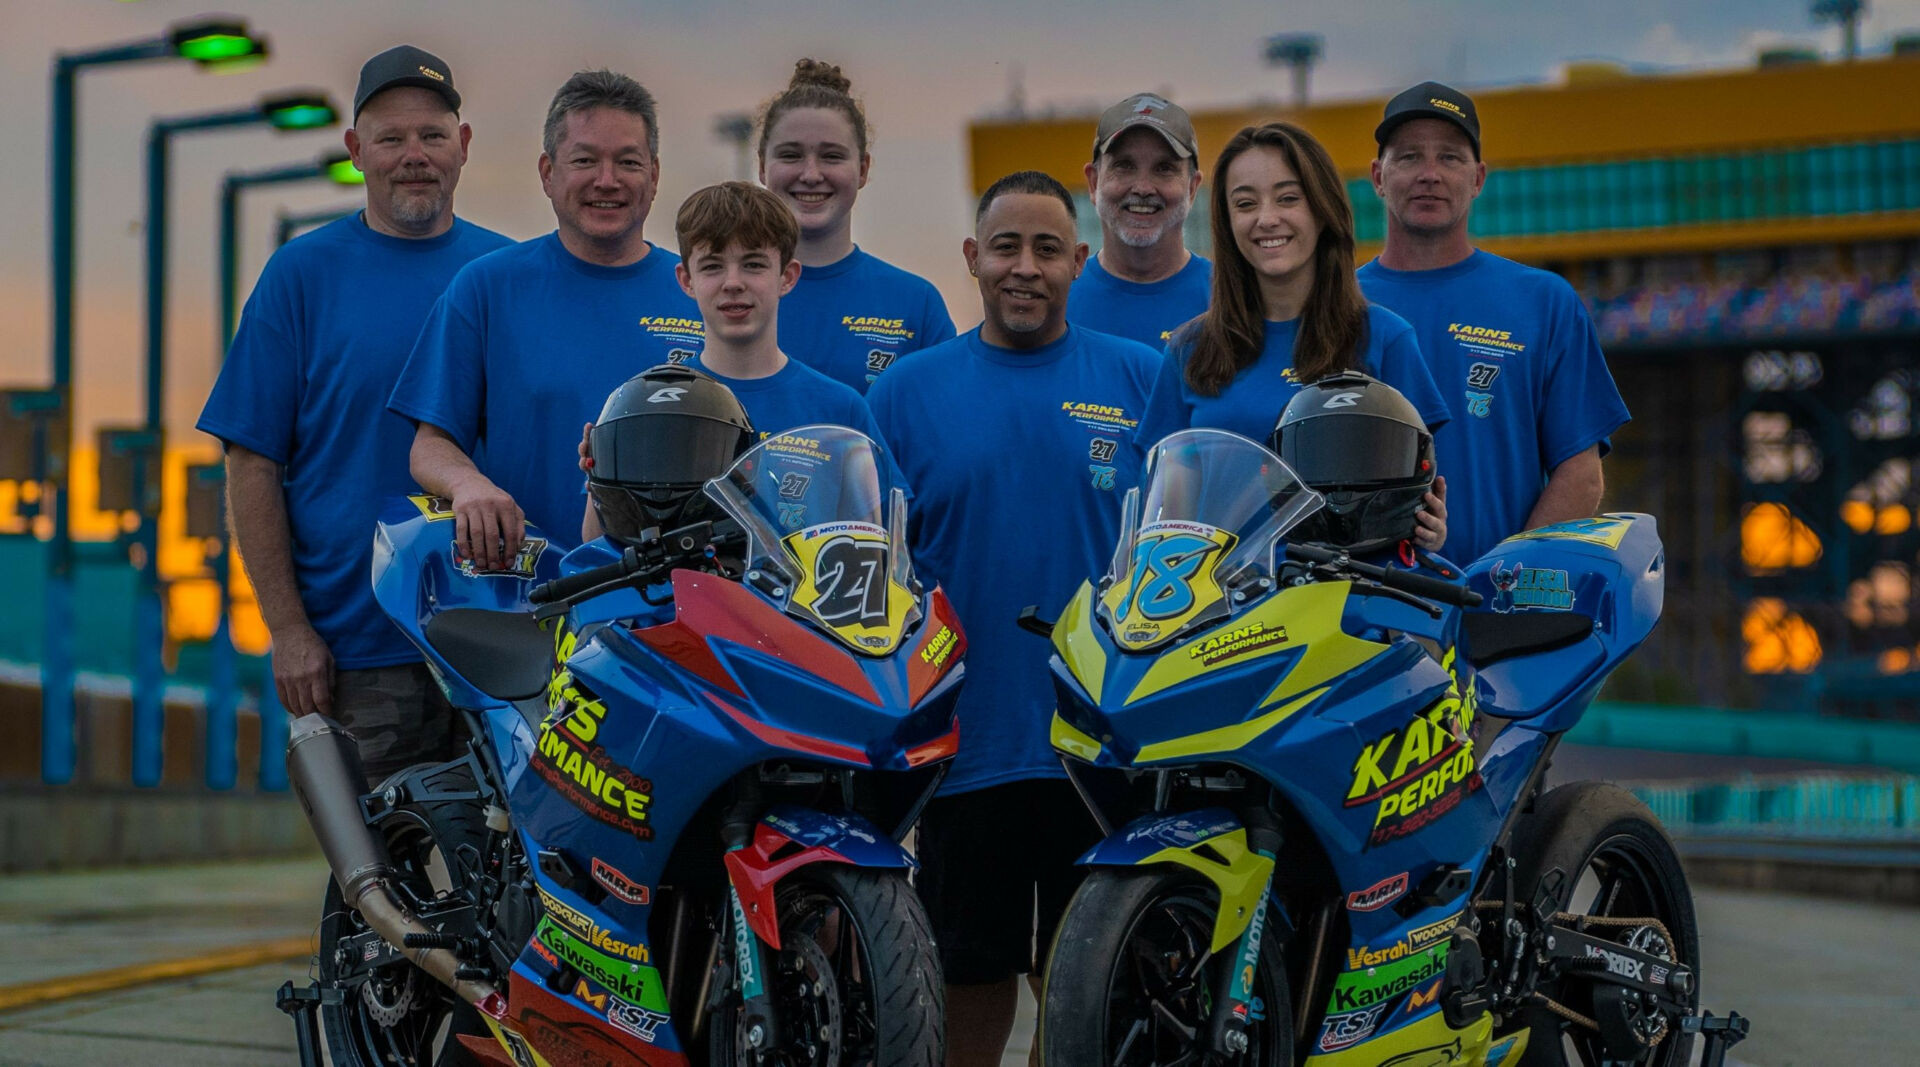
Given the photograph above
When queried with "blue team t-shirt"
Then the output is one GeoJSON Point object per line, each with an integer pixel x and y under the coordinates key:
{"type": "Point", "coordinates": [796, 395]}
{"type": "Point", "coordinates": [1251, 403]}
{"type": "Point", "coordinates": [851, 319]}
{"type": "Point", "coordinates": [1011, 458]}
{"type": "Point", "coordinates": [522, 351]}
{"type": "Point", "coordinates": [1147, 312]}
{"type": "Point", "coordinates": [320, 343]}
{"type": "Point", "coordinates": [1520, 367]}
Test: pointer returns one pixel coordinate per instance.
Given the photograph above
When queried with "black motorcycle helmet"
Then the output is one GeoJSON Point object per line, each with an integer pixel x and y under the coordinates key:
{"type": "Point", "coordinates": [659, 438]}
{"type": "Point", "coordinates": [1364, 447]}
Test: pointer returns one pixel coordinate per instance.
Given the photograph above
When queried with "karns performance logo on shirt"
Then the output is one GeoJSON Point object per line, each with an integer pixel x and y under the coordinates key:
{"type": "Point", "coordinates": [675, 331]}
{"type": "Point", "coordinates": [874, 328]}
{"type": "Point", "coordinates": [1485, 340]}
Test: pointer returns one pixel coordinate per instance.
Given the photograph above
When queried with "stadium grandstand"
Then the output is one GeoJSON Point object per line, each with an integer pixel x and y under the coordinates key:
{"type": "Point", "coordinates": [1749, 244]}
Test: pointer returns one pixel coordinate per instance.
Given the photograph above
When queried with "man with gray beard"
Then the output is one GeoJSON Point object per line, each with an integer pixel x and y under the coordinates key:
{"type": "Point", "coordinates": [1143, 177]}
{"type": "Point", "coordinates": [312, 452]}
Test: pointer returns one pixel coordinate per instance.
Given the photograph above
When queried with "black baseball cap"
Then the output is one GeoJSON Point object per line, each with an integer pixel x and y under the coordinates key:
{"type": "Point", "coordinates": [405, 65]}
{"type": "Point", "coordinates": [1430, 100]}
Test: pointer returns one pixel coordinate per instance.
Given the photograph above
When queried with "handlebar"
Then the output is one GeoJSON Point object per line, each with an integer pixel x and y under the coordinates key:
{"type": "Point", "coordinates": [656, 552]}
{"type": "Point", "coordinates": [1405, 581]}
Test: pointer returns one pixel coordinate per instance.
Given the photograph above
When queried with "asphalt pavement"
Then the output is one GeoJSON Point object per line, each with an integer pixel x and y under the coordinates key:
{"type": "Point", "coordinates": [1821, 980]}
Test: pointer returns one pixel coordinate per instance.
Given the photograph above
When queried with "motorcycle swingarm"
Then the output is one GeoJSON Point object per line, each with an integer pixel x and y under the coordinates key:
{"type": "Point", "coordinates": [1597, 959]}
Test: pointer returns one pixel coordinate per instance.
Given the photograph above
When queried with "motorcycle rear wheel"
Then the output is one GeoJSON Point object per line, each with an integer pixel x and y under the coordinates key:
{"type": "Point", "coordinates": [402, 1015]}
{"type": "Point", "coordinates": [856, 980]}
{"type": "Point", "coordinates": [1620, 863]}
{"type": "Point", "coordinates": [1130, 981]}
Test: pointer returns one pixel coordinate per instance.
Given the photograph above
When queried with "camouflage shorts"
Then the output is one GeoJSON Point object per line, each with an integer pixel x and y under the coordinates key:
{"type": "Point", "coordinates": [398, 716]}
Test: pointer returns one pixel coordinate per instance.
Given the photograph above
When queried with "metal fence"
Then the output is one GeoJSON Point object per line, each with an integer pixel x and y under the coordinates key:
{"type": "Point", "coordinates": [1824, 807]}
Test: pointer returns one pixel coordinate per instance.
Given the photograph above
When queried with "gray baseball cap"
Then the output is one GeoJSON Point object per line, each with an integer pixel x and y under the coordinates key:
{"type": "Point", "coordinates": [1155, 112]}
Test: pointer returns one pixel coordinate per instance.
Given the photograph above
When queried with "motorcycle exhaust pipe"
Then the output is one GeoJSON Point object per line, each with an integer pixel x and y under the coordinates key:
{"type": "Point", "coordinates": [323, 763]}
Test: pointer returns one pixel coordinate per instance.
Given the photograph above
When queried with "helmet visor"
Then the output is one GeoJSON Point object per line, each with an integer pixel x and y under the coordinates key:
{"type": "Point", "coordinates": [1352, 450]}
{"type": "Point", "coordinates": [663, 449]}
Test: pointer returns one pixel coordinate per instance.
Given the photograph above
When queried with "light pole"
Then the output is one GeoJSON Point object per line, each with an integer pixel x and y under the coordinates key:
{"type": "Point", "coordinates": [1848, 14]}
{"type": "Point", "coordinates": [296, 111]}
{"type": "Point", "coordinates": [210, 43]}
{"type": "Point", "coordinates": [1299, 51]}
{"type": "Point", "coordinates": [287, 227]}
{"type": "Point", "coordinates": [736, 129]}
{"type": "Point", "coordinates": [223, 761]}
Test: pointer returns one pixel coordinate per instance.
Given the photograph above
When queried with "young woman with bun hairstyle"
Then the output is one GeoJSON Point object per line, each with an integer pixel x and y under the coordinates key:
{"type": "Point", "coordinates": [852, 315]}
{"type": "Point", "coordinates": [1286, 309]}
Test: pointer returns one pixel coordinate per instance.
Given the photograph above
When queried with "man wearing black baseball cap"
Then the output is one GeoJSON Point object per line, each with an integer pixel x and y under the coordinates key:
{"type": "Point", "coordinates": [1143, 177]}
{"type": "Point", "coordinates": [311, 457]}
{"type": "Point", "coordinates": [407, 138]}
{"type": "Point", "coordinates": [1511, 347]}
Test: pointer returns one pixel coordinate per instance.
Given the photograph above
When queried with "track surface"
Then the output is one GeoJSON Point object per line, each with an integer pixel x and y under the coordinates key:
{"type": "Point", "coordinates": [1825, 982]}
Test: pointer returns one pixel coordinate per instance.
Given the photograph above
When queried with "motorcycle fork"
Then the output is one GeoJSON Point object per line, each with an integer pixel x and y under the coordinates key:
{"type": "Point", "coordinates": [757, 1016]}
{"type": "Point", "coordinates": [1233, 1001]}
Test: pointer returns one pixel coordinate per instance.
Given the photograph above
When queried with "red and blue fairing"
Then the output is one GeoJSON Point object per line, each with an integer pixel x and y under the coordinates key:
{"type": "Point", "coordinates": [655, 703]}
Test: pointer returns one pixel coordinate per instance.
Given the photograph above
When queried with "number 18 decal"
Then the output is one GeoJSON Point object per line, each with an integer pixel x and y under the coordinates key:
{"type": "Point", "coordinates": [1171, 582]}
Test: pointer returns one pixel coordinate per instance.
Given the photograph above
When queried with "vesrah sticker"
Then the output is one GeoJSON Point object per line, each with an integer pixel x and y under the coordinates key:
{"type": "Point", "coordinates": [633, 982]}
{"type": "Point", "coordinates": [580, 925]}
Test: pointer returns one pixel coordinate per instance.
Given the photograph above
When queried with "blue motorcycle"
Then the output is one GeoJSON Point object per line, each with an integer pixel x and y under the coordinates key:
{"type": "Point", "coordinates": [675, 835]}
{"type": "Point", "coordinates": [1321, 783]}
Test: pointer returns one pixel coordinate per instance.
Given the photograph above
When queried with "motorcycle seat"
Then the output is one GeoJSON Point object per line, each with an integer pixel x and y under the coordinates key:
{"type": "Point", "coordinates": [504, 654]}
{"type": "Point", "coordinates": [1492, 637]}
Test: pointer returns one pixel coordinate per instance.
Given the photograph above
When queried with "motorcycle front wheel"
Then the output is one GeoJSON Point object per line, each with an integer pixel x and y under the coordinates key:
{"type": "Point", "coordinates": [1619, 864]}
{"type": "Point", "coordinates": [1131, 980]}
{"type": "Point", "coordinates": [856, 980]}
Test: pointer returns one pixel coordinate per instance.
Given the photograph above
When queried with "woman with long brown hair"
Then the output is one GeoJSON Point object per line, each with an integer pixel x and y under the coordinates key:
{"type": "Point", "coordinates": [1286, 309]}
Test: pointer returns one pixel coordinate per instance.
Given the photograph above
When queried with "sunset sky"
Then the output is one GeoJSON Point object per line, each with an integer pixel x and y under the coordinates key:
{"type": "Point", "coordinates": [924, 70]}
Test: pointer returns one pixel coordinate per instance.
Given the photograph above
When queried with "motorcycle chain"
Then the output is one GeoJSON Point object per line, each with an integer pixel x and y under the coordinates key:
{"type": "Point", "coordinates": [1555, 1006]}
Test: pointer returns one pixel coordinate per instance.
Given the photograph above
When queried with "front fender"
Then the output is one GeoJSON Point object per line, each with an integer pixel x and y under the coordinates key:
{"type": "Point", "coordinates": [1211, 842]}
{"type": "Point", "coordinates": [789, 838]}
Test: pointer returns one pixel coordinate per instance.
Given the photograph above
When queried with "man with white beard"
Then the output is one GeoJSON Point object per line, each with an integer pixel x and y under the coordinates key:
{"type": "Point", "coordinates": [1143, 177]}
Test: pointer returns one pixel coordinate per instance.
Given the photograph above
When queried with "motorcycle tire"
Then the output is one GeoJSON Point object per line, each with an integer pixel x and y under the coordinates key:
{"type": "Point", "coordinates": [402, 1015]}
{"type": "Point", "coordinates": [1620, 863]}
{"type": "Point", "coordinates": [873, 998]}
{"type": "Point", "coordinates": [1122, 986]}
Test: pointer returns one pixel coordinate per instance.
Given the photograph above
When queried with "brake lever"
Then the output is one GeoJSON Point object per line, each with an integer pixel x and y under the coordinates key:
{"type": "Point", "coordinates": [1376, 589]}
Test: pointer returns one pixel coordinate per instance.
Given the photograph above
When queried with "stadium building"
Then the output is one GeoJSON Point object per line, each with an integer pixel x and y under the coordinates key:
{"type": "Point", "coordinates": [1747, 242]}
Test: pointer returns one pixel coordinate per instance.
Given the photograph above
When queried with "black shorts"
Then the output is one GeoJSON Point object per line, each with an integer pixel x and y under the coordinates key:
{"type": "Point", "coordinates": [996, 872]}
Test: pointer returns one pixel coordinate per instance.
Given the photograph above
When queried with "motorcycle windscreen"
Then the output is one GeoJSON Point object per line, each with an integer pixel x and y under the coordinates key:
{"type": "Point", "coordinates": [1213, 507]}
{"type": "Point", "coordinates": [824, 520]}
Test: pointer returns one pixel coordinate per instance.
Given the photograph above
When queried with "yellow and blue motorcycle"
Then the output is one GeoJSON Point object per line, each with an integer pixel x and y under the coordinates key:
{"type": "Point", "coordinates": [1320, 781]}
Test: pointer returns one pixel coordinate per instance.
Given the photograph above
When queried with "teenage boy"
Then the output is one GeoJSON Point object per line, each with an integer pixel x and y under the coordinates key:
{"type": "Point", "coordinates": [737, 244]}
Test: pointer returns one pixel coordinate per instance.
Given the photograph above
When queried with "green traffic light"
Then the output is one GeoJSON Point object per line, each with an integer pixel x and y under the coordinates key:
{"type": "Point", "coordinates": [302, 117]}
{"type": "Point", "coordinates": [343, 172]}
{"type": "Point", "coordinates": [214, 47]}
